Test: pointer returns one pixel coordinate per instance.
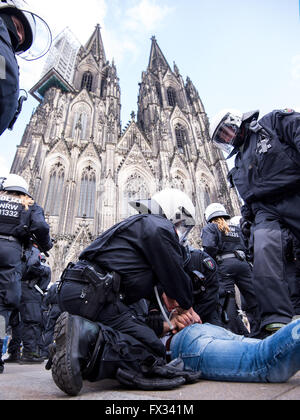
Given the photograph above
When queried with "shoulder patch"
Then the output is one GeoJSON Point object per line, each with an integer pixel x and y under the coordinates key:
{"type": "Point", "coordinates": [210, 264]}
{"type": "Point", "coordinates": [287, 111]}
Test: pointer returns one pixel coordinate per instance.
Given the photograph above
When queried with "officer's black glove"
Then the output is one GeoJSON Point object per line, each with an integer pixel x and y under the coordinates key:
{"type": "Point", "coordinates": [246, 227]}
{"type": "Point", "coordinates": [173, 369]}
{"type": "Point", "coordinates": [136, 380]}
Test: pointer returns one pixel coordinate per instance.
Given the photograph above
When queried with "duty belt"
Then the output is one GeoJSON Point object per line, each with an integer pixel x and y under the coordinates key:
{"type": "Point", "coordinates": [9, 238]}
{"type": "Point", "coordinates": [240, 255]}
{"type": "Point", "coordinates": [90, 274]}
{"type": "Point", "coordinates": [223, 257]}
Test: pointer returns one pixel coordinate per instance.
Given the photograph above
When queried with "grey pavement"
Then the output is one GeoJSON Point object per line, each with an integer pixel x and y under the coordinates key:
{"type": "Point", "coordinates": [33, 382]}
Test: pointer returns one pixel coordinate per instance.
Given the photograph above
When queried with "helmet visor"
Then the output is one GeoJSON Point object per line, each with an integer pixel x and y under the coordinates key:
{"type": "Point", "coordinates": [38, 37]}
{"type": "Point", "coordinates": [183, 229]}
{"type": "Point", "coordinates": [225, 135]}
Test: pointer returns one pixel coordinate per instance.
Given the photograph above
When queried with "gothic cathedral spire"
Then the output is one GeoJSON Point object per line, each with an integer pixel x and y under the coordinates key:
{"type": "Point", "coordinates": [84, 171]}
{"type": "Point", "coordinates": [95, 46]}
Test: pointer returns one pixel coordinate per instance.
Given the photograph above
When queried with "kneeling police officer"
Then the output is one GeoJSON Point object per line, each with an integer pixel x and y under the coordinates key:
{"type": "Point", "coordinates": [131, 259]}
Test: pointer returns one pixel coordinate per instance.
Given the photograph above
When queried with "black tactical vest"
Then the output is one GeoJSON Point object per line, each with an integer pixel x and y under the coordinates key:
{"type": "Point", "coordinates": [231, 241]}
{"type": "Point", "coordinates": [10, 214]}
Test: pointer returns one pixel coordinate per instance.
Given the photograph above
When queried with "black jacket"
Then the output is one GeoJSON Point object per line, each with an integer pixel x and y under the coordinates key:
{"type": "Point", "coordinates": [9, 85]}
{"type": "Point", "coordinates": [16, 221]}
{"type": "Point", "coordinates": [273, 170]}
{"type": "Point", "coordinates": [145, 251]}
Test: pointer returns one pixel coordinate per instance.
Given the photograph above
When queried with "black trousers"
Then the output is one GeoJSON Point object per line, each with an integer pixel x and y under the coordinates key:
{"type": "Point", "coordinates": [10, 280]}
{"type": "Point", "coordinates": [50, 318]}
{"type": "Point", "coordinates": [116, 315]}
{"type": "Point", "coordinates": [31, 318]}
{"type": "Point", "coordinates": [233, 271]}
{"type": "Point", "coordinates": [293, 279]}
{"type": "Point", "coordinates": [269, 270]}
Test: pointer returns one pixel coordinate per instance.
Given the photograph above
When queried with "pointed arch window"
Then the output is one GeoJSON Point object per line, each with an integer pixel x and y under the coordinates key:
{"type": "Point", "coordinates": [87, 81]}
{"type": "Point", "coordinates": [80, 123]}
{"type": "Point", "coordinates": [181, 136]}
{"type": "Point", "coordinates": [135, 189]}
{"type": "Point", "coordinates": [87, 198]}
{"type": "Point", "coordinates": [178, 182]}
{"type": "Point", "coordinates": [206, 198]}
{"type": "Point", "coordinates": [158, 92]}
{"type": "Point", "coordinates": [171, 93]}
{"type": "Point", "coordinates": [54, 196]}
{"type": "Point", "coordinates": [205, 195]}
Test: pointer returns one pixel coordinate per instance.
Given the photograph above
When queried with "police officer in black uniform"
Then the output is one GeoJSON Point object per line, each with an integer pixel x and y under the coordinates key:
{"type": "Point", "coordinates": [17, 36]}
{"type": "Point", "coordinates": [267, 176]}
{"type": "Point", "coordinates": [138, 258]}
{"type": "Point", "coordinates": [35, 281]}
{"type": "Point", "coordinates": [51, 314]}
{"type": "Point", "coordinates": [26, 324]}
{"type": "Point", "coordinates": [223, 242]}
{"type": "Point", "coordinates": [20, 218]}
{"type": "Point", "coordinates": [202, 269]}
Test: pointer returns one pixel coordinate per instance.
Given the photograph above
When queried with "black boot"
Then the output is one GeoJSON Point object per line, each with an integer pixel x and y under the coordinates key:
{"type": "Point", "coordinates": [75, 339]}
{"type": "Point", "coordinates": [13, 358]}
{"type": "Point", "coordinates": [31, 359]}
{"type": "Point", "coordinates": [157, 376]}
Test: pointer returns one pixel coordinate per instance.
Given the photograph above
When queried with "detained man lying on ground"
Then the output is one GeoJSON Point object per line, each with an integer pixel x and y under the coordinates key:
{"type": "Point", "coordinates": [85, 350]}
{"type": "Point", "coordinates": [221, 355]}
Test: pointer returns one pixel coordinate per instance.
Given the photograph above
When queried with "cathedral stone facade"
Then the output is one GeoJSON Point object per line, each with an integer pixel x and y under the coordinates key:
{"type": "Point", "coordinates": [83, 169]}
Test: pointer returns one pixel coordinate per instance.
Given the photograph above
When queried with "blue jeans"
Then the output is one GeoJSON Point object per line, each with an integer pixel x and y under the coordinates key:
{"type": "Point", "coordinates": [223, 356]}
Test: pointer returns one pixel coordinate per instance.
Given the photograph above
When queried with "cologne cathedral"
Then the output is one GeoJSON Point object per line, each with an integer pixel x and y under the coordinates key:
{"type": "Point", "coordinates": [83, 168]}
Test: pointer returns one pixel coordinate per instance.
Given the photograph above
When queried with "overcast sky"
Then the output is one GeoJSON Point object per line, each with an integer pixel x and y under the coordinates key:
{"type": "Point", "coordinates": [241, 54]}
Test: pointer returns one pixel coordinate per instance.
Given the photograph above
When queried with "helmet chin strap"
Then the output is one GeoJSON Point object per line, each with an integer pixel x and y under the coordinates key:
{"type": "Point", "coordinates": [14, 37]}
{"type": "Point", "coordinates": [162, 309]}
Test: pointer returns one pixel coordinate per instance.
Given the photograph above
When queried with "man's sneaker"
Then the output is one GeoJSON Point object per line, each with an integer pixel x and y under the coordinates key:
{"type": "Point", "coordinates": [31, 359]}
{"type": "Point", "coordinates": [274, 327]}
{"type": "Point", "coordinates": [13, 358]}
{"type": "Point", "coordinates": [75, 339]}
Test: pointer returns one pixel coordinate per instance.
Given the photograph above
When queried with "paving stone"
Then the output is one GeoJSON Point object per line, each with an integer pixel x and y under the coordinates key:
{"type": "Point", "coordinates": [33, 382]}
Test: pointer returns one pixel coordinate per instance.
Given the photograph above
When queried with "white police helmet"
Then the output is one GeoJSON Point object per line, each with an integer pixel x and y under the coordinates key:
{"type": "Point", "coordinates": [174, 204]}
{"type": "Point", "coordinates": [31, 48]}
{"type": "Point", "coordinates": [215, 210]}
{"type": "Point", "coordinates": [224, 129]}
{"type": "Point", "coordinates": [15, 183]}
{"type": "Point", "coordinates": [235, 221]}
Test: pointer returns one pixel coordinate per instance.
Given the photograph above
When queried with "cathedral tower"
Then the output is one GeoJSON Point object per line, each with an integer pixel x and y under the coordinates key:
{"type": "Point", "coordinates": [83, 170]}
{"type": "Point", "coordinates": [173, 118]}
